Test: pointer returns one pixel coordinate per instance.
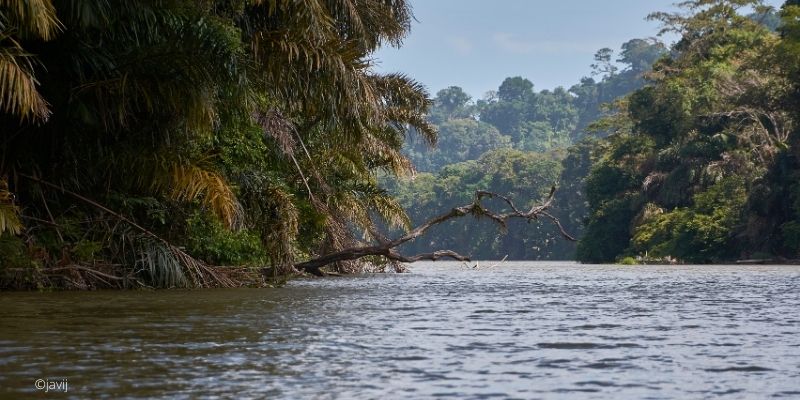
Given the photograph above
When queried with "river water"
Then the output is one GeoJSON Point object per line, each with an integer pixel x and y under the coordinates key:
{"type": "Point", "coordinates": [514, 330]}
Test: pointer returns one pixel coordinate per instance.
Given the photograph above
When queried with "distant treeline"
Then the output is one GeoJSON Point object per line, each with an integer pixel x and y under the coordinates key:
{"type": "Point", "coordinates": [687, 152]}
{"type": "Point", "coordinates": [519, 142]}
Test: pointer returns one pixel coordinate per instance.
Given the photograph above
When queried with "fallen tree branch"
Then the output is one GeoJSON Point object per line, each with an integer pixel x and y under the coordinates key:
{"type": "Point", "coordinates": [387, 248]}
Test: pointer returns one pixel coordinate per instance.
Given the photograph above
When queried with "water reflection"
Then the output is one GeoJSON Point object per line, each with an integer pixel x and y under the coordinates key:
{"type": "Point", "coordinates": [520, 330]}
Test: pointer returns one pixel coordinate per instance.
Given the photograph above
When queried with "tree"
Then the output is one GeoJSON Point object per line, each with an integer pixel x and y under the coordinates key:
{"type": "Point", "coordinates": [641, 54]}
{"type": "Point", "coordinates": [450, 103]}
{"type": "Point", "coordinates": [517, 174]}
{"type": "Point", "coordinates": [603, 65]}
{"type": "Point", "coordinates": [515, 89]}
{"type": "Point", "coordinates": [688, 149]}
{"type": "Point", "coordinates": [458, 140]}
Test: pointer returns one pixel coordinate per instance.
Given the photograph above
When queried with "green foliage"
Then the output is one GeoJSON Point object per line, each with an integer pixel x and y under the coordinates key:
{"type": "Point", "coordinates": [209, 240]}
{"type": "Point", "coordinates": [459, 140]}
{"type": "Point", "coordinates": [713, 169]}
{"type": "Point", "coordinates": [450, 103]}
{"type": "Point", "coordinates": [701, 233]}
{"type": "Point", "coordinates": [515, 89]}
{"type": "Point", "coordinates": [663, 114]}
{"type": "Point", "coordinates": [791, 236]}
{"type": "Point", "coordinates": [520, 175]}
{"type": "Point", "coordinates": [570, 205]}
{"type": "Point", "coordinates": [534, 121]}
{"type": "Point", "coordinates": [518, 117]}
{"type": "Point", "coordinates": [18, 269]}
{"type": "Point", "coordinates": [264, 118]}
{"type": "Point", "coordinates": [87, 250]}
{"type": "Point", "coordinates": [619, 172]}
{"type": "Point", "coordinates": [13, 253]}
{"type": "Point", "coordinates": [641, 54]}
{"type": "Point", "coordinates": [255, 133]}
{"type": "Point", "coordinates": [627, 261]}
{"type": "Point", "coordinates": [608, 230]}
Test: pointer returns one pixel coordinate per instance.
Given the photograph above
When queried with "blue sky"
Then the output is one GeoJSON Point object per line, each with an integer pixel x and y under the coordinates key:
{"type": "Point", "coordinates": [476, 44]}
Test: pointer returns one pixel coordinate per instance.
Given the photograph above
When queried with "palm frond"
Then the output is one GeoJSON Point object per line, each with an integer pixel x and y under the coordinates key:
{"type": "Point", "coordinates": [162, 60]}
{"type": "Point", "coordinates": [281, 234]}
{"type": "Point", "coordinates": [161, 267]}
{"type": "Point", "coordinates": [189, 182]}
{"type": "Point", "coordinates": [175, 178]}
{"type": "Point", "coordinates": [33, 17]}
{"type": "Point", "coordinates": [18, 93]}
{"type": "Point", "coordinates": [9, 212]}
{"type": "Point", "coordinates": [387, 155]}
{"type": "Point", "coordinates": [390, 210]}
{"type": "Point", "coordinates": [374, 22]}
{"type": "Point", "coordinates": [166, 266]}
{"type": "Point", "coordinates": [405, 103]}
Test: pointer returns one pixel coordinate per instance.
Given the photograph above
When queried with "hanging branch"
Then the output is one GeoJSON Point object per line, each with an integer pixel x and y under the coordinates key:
{"type": "Point", "coordinates": [387, 248]}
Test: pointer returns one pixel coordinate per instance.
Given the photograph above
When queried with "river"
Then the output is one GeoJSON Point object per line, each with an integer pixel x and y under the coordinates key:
{"type": "Point", "coordinates": [513, 330]}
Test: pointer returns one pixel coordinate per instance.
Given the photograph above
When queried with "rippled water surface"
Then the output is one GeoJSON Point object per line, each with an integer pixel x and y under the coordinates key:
{"type": "Point", "coordinates": [517, 330]}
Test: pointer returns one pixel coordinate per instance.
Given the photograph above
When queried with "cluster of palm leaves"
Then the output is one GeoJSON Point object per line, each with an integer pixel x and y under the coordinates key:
{"type": "Point", "coordinates": [122, 120]}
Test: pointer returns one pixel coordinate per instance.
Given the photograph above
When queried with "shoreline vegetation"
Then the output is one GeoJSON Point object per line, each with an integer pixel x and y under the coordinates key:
{"type": "Point", "coordinates": [167, 144]}
{"type": "Point", "coordinates": [202, 275]}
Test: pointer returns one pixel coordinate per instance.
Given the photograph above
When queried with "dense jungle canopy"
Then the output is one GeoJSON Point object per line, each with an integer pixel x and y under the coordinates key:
{"type": "Point", "coordinates": [147, 140]}
{"type": "Point", "coordinates": [152, 143]}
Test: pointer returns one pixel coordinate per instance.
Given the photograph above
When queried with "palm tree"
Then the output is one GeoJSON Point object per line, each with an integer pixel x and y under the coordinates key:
{"type": "Point", "coordinates": [264, 114]}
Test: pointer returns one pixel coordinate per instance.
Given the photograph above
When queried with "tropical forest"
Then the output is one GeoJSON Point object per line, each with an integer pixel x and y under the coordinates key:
{"type": "Point", "coordinates": [399, 199]}
{"type": "Point", "coordinates": [184, 144]}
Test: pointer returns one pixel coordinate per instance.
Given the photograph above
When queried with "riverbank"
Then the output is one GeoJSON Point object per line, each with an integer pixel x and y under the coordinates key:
{"type": "Point", "coordinates": [772, 261]}
{"type": "Point", "coordinates": [108, 276]}
{"type": "Point", "coordinates": [111, 277]}
{"type": "Point", "coordinates": [197, 275]}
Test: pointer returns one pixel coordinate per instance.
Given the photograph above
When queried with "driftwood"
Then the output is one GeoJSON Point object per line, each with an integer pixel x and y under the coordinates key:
{"type": "Point", "coordinates": [387, 248]}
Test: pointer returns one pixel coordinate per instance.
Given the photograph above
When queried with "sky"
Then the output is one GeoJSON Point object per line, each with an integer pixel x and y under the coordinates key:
{"type": "Point", "coordinates": [476, 44]}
